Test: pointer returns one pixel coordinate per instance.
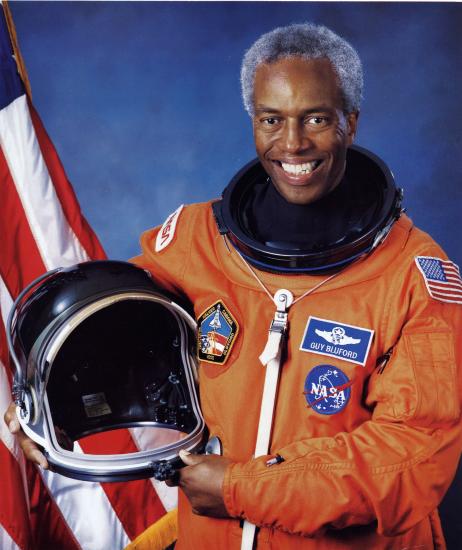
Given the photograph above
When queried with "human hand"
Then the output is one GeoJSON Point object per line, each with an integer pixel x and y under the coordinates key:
{"type": "Point", "coordinates": [30, 449]}
{"type": "Point", "coordinates": [201, 480]}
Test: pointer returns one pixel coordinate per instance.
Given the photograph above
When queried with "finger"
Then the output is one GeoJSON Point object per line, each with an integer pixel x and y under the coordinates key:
{"type": "Point", "coordinates": [29, 448]}
{"type": "Point", "coordinates": [11, 419]}
{"type": "Point", "coordinates": [39, 459]}
{"type": "Point", "coordinates": [188, 458]}
{"type": "Point", "coordinates": [172, 482]}
{"type": "Point", "coordinates": [32, 451]}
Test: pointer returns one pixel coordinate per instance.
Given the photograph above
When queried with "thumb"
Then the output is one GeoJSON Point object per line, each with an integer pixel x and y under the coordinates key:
{"type": "Point", "coordinates": [188, 458]}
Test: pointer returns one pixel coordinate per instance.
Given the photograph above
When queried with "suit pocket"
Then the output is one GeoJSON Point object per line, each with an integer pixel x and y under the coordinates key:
{"type": "Point", "coordinates": [431, 355]}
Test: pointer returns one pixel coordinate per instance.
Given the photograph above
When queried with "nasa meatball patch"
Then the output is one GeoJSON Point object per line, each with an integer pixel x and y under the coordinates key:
{"type": "Point", "coordinates": [327, 389]}
{"type": "Point", "coordinates": [217, 332]}
{"type": "Point", "coordinates": [167, 231]}
{"type": "Point", "coordinates": [347, 342]}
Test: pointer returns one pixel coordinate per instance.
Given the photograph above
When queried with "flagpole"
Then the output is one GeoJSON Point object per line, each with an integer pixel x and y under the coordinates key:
{"type": "Point", "coordinates": [17, 52]}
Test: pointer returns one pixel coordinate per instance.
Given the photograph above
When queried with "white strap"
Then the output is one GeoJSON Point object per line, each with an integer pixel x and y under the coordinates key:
{"type": "Point", "coordinates": [267, 407]}
{"type": "Point", "coordinates": [248, 535]}
{"type": "Point", "coordinates": [264, 433]}
{"type": "Point", "coordinates": [271, 357]}
{"type": "Point", "coordinates": [272, 348]}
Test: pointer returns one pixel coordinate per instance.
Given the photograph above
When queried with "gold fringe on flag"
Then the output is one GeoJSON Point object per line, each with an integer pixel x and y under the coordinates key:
{"type": "Point", "coordinates": [159, 535]}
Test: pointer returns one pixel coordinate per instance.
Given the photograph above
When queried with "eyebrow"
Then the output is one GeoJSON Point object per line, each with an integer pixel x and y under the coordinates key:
{"type": "Point", "coordinates": [266, 109]}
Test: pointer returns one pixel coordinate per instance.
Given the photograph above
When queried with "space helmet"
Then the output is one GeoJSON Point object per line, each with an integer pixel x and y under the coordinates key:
{"type": "Point", "coordinates": [231, 217]}
{"type": "Point", "coordinates": [99, 347]}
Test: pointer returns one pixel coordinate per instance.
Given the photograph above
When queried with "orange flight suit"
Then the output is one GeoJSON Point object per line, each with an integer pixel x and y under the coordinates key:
{"type": "Point", "coordinates": [365, 470]}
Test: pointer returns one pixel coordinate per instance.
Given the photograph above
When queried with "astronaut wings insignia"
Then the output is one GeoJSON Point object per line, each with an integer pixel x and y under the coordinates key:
{"type": "Point", "coordinates": [337, 336]}
{"type": "Point", "coordinates": [347, 342]}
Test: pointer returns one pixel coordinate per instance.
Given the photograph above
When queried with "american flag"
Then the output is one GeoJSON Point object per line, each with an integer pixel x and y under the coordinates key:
{"type": "Point", "coordinates": [216, 343]}
{"type": "Point", "coordinates": [442, 278]}
{"type": "Point", "coordinates": [42, 227]}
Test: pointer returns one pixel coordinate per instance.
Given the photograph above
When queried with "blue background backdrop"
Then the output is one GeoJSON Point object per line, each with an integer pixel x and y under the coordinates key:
{"type": "Point", "coordinates": [143, 104]}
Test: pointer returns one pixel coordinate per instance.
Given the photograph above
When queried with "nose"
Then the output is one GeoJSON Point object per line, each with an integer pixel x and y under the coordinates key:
{"type": "Point", "coordinates": [293, 138]}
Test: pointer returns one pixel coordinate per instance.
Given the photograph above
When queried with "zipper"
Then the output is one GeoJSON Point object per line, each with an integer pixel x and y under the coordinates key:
{"type": "Point", "coordinates": [382, 361]}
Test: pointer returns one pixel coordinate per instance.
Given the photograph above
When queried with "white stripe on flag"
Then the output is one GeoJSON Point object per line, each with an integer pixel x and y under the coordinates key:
{"type": "Point", "coordinates": [5, 301]}
{"type": "Point", "coordinates": [167, 495]}
{"type": "Point", "coordinates": [88, 512]}
{"type": "Point", "coordinates": [446, 286]}
{"type": "Point", "coordinates": [56, 241]}
{"type": "Point", "coordinates": [5, 391]}
{"type": "Point", "coordinates": [447, 298]}
{"type": "Point", "coordinates": [6, 542]}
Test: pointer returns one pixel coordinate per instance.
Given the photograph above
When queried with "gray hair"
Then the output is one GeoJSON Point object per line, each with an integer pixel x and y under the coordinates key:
{"type": "Point", "coordinates": [308, 41]}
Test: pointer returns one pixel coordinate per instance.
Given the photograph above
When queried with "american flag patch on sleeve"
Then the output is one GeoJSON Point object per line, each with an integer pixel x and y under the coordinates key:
{"type": "Point", "coordinates": [442, 278]}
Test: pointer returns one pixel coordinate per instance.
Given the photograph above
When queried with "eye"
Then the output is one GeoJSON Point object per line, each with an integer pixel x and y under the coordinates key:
{"type": "Point", "coordinates": [317, 121]}
{"type": "Point", "coordinates": [270, 121]}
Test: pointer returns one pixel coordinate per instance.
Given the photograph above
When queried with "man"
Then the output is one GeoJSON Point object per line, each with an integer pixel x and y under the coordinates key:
{"type": "Point", "coordinates": [365, 435]}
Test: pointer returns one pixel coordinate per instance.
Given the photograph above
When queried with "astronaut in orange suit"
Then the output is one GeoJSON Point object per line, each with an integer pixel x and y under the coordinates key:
{"type": "Point", "coordinates": [366, 431]}
{"type": "Point", "coordinates": [365, 434]}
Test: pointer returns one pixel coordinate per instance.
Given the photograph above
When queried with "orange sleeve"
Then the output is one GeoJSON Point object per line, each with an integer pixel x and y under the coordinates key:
{"type": "Point", "coordinates": [168, 266]}
{"type": "Point", "coordinates": [393, 469]}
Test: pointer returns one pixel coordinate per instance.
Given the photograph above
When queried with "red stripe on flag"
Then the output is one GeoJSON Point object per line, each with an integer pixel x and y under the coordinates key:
{"type": "Point", "coordinates": [14, 515]}
{"type": "Point", "coordinates": [446, 290]}
{"type": "Point", "coordinates": [20, 261]}
{"type": "Point", "coordinates": [65, 192]}
{"type": "Point", "coordinates": [447, 295]}
{"type": "Point", "coordinates": [453, 285]}
{"type": "Point", "coordinates": [448, 264]}
{"type": "Point", "coordinates": [217, 337]}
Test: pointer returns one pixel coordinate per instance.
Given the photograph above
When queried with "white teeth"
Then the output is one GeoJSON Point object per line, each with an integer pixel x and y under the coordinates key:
{"type": "Point", "coordinates": [296, 169]}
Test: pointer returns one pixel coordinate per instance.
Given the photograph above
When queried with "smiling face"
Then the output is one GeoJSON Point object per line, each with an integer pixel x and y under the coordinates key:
{"type": "Point", "coordinates": [301, 132]}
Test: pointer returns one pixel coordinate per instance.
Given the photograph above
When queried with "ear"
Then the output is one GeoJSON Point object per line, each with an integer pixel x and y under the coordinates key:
{"type": "Point", "coordinates": [352, 124]}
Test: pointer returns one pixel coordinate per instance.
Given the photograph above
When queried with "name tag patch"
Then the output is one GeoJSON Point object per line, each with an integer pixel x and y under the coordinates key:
{"type": "Point", "coordinates": [217, 332]}
{"type": "Point", "coordinates": [347, 342]}
{"type": "Point", "coordinates": [327, 389]}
